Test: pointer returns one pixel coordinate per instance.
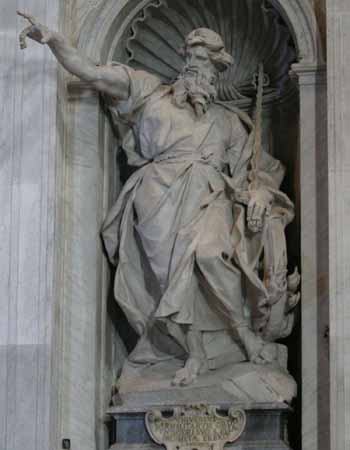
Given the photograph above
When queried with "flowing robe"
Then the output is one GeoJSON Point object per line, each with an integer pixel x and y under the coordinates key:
{"type": "Point", "coordinates": [177, 233]}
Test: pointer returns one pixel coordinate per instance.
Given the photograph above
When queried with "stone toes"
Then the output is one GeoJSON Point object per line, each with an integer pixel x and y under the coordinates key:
{"type": "Point", "coordinates": [179, 378]}
{"type": "Point", "coordinates": [188, 380]}
{"type": "Point", "coordinates": [183, 378]}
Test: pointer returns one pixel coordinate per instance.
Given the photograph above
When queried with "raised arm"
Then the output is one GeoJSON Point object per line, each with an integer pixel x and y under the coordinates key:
{"type": "Point", "coordinates": [113, 81]}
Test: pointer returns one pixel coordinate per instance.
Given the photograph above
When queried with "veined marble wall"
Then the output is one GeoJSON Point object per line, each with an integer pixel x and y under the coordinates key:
{"type": "Point", "coordinates": [28, 89]}
{"type": "Point", "coordinates": [338, 31]}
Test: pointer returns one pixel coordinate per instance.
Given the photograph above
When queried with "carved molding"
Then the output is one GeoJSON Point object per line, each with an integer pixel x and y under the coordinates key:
{"type": "Point", "coordinates": [309, 74]}
{"type": "Point", "coordinates": [302, 22]}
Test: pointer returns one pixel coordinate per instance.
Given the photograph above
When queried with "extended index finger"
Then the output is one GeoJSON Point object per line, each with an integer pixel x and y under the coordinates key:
{"type": "Point", "coordinates": [29, 17]}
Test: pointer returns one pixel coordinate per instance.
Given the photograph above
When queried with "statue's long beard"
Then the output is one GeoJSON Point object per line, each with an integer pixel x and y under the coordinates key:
{"type": "Point", "coordinates": [194, 88]}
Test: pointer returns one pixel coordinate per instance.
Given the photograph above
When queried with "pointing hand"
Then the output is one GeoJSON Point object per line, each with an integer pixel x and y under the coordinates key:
{"type": "Point", "coordinates": [35, 31]}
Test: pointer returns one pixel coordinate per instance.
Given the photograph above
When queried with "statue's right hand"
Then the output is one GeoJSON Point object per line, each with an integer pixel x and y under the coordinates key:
{"type": "Point", "coordinates": [35, 31]}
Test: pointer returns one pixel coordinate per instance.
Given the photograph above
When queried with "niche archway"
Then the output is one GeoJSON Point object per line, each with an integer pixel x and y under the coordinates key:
{"type": "Point", "coordinates": [91, 188]}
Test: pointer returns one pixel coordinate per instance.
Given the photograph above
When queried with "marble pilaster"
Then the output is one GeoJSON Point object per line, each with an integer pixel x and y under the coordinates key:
{"type": "Point", "coordinates": [338, 24]}
{"type": "Point", "coordinates": [28, 86]}
{"type": "Point", "coordinates": [314, 255]}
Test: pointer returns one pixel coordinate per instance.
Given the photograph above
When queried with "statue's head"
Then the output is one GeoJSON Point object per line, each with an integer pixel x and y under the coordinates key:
{"type": "Point", "coordinates": [203, 43]}
{"type": "Point", "coordinates": [205, 57]}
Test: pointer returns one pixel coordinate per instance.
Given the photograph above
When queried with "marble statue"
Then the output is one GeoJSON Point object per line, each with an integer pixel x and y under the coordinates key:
{"type": "Point", "coordinates": [197, 234]}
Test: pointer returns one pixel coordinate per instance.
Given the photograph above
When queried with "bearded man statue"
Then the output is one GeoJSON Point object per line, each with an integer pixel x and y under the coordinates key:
{"type": "Point", "coordinates": [189, 226]}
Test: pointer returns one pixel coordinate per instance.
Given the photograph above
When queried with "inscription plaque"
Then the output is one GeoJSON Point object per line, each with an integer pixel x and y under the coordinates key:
{"type": "Point", "coordinates": [195, 427]}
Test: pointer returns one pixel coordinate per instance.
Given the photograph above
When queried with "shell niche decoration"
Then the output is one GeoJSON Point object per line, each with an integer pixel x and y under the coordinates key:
{"type": "Point", "coordinates": [252, 30]}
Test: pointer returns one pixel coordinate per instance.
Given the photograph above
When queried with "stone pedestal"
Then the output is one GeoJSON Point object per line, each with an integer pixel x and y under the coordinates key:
{"type": "Point", "coordinates": [252, 401]}
{"type": "Point", "coordinates": [265, 429]}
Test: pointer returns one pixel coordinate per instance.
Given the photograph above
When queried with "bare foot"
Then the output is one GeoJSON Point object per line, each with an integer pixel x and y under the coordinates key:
{"type": "Point", "coordinates": [193, 367]}
{"type": "Point", "coordinates": [267, 355]}
{"type": "Point", "coordinates": [259, 351]}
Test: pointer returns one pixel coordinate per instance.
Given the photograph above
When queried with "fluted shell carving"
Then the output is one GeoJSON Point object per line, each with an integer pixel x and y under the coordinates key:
{"type": "Point", "coordinates": [253, 32]}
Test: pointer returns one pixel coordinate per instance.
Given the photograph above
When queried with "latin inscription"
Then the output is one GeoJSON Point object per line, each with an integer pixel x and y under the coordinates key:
{"type": "Point", "coordinates": [199, 426]}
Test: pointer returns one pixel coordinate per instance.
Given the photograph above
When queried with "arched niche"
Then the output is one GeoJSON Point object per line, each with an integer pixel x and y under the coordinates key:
{"type": "Point", "coordinates": [91, 348]}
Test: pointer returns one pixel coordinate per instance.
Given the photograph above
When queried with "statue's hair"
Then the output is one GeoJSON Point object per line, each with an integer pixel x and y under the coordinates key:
{"type": "Point", "coordinates": [214, 43]}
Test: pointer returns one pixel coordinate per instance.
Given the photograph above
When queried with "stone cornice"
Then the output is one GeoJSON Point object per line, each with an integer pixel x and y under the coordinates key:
{"type": "Point", "coordinates": [309, 74]}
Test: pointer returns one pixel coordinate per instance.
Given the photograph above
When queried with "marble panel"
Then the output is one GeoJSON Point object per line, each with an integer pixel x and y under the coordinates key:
{"type": "Point", "coordinates": [28, 88]}
{"type": "Point", "coordinates": [338, 23]}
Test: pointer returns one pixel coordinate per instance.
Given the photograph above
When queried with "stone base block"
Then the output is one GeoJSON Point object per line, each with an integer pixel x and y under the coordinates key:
{"type": "Point", "coordinates": [266, 428]}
